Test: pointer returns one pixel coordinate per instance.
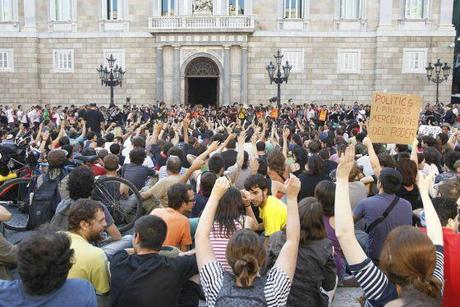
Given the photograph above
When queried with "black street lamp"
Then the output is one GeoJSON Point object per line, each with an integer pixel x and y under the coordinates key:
{"type": "Point", "coordinates": [278, 74]}
{"type": "Point", "coordinates": [437, 78]}
{"type": "Point", "coordinates": [111, 76]}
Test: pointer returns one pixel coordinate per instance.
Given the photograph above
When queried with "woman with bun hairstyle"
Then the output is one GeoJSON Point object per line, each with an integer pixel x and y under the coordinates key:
{"type": "Point", "coordinates": [246, 256]}
{"type": "Point", "coordinates": [409, 260]}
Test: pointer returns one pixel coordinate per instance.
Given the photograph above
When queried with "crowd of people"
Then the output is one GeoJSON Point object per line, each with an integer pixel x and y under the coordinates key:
{"type": "Point", "coordinates": [241, 206]}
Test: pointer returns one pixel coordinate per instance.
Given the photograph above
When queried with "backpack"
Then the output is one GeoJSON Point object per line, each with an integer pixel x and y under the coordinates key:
{"type": "Point", "coordinates": [232, 296]}
{"type": "Point", "coordinates": [43, 198]}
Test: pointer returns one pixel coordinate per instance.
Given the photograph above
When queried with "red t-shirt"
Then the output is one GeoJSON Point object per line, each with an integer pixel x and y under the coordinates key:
{"type": "Point", "coordinates": [97, 170]}
{"type": "Point", "coordinates": [451, 295]}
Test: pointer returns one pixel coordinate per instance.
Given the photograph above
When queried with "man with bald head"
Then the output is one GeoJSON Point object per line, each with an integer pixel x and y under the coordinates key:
{"type": "Point", "coordinates": [160, 189]}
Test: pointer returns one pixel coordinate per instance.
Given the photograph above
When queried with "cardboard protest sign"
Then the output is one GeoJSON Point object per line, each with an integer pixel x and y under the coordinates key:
{"type": "Point", "coordinates": [394, 118]}
{"type": "Point", "coordinates": [429, 130]}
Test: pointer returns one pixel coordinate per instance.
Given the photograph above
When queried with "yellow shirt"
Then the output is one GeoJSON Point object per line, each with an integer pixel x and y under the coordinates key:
{"type": "Point", "coordinates": [90, 263]}
{"type": "Point", "coordinates": [274, 215]}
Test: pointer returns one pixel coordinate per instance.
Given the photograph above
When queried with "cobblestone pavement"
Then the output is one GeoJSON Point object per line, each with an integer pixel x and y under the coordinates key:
{"type": "Point", "coordinates": [347, 297]}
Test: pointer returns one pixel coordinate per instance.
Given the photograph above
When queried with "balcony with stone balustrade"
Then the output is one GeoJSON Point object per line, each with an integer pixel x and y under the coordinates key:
{"type": "Point", "coordinates": [201, 23]}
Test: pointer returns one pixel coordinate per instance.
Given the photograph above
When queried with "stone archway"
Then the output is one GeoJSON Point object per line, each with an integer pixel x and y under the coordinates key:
{"type": "Point", "coordinates": [202, 82]}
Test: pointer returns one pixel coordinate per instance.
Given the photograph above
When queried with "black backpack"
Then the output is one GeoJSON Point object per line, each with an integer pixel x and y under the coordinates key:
{"type": "Point", "coordinates": [42, 200]}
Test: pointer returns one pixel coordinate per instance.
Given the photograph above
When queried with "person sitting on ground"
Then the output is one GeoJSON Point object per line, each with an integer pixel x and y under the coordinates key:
{"type": "Point", "coordinates": [447, 210]}
{"type": "Point", "coordinates": [325, 194]}
{"type": "Point", "coordinates": [181, 200]}
{"type": "Point", "coordinates": [86, 224]}
{"type": "Point", "coordinates": [246, 256]}
{"type": "Point", "coordinates": [315, 273]}
{"type": "Point", "coordinates": [201, 198]}
{"type": "Point", "coordinates": [7, 250]}
{"type": "Point", "coordinates": [272, 211]}
{"type": "Point", "coordinates": [372, 210]}
{"type": "Point", "coordinates": [91, 160]}
{"type": "Point", "coordinates": [314, 173]}
{"type": "Point", "coordinates": [408, 257]}
{"type": "Point", "coordinates": [80, 186]}
{"type": "Point", "coordinates": [134, 171]}
{"type": "Point", "coordinates": [133, 272]}
{"type": "Point", "coordinates": [231, 216]}
{"type": "Point", "coordinates": [450, 172]}
{"type": "Point", "coordinates": [137, 142]}
{"type": "Point", "coordinates": [160, 189]}
{"type": "Point", "coordinates": [44, 260]}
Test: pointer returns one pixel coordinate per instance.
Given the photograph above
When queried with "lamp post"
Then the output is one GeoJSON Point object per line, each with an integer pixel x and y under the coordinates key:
{"type": "Point", "coordinates": [278, 73]}
{"type": "Point", "coordinates": [437, 77]}
{"type": "Point", "coordinates": [111, 76]}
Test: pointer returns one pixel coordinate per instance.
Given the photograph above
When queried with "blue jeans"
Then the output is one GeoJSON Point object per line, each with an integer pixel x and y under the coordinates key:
{"type": "Point", "coordinates": [112, 248]}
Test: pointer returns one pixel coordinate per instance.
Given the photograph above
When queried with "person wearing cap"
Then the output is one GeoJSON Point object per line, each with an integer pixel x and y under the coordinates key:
{"type": "Point", "coordinates": [373, 208]}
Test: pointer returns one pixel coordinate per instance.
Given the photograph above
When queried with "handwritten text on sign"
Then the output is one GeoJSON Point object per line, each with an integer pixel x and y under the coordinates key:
{"type": "Point", "coordinates": [394, 118]}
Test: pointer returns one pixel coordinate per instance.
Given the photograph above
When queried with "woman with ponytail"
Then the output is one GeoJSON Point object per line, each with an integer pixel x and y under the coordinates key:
{"type": "Point", "coordinates": [409, 261]}
{"type": "Point", "coordinates": [246, 256]}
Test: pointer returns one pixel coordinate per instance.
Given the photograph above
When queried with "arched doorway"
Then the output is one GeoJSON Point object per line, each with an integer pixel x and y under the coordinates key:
{"type": "Point", "coordinates": [202, 82]}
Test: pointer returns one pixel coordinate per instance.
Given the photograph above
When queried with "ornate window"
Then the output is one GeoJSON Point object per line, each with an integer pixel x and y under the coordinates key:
{"type": "Point", "coordinates": [168, 7]}
{"type": "Point", "coordinates": [202, 67]}
{"type": "Point", "coordinates": [235, 7]}
{"type": "Point", "coordinates": [63, 60]}
{"type": "Point", "coordinates": [414, 60]}
{"type": "Point", "coordinates": [6, 10]}
{"type": "Point", "coordinates": [6, 60]}
{"type": "Point", "coordinates": [61, 10]}
{"type": "Point", "coordinates": [416, 9]}
{"type": "Point", "coordinates": [293, 9]}
{"type": "Point", "coordinates": [202, 7]}
{"type": "Point", "coordinates": [350, 9]}
{"type": "Point", "coordinates": [113, 9]}
{"type": "Point", "coordinates": [348, 61]}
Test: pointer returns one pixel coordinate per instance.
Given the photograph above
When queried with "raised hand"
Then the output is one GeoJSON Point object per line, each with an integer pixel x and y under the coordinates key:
{"type": "Point", "coordinates": [220, 187]}
{"type": "Point", "coordinates": [347, 160]}
{"type": "Point", "coordinates": [214, 146]}
{"type": "Point", "coordinates": [424, 182]}
{"type": "Point", "coordinates": [286, 133]}
{"type": "Point", "coordinates": [197, 164]}
{"type": "Point", "coordinates": [292, 187]}
{"type": "Point", "coordinates": [367, 142]}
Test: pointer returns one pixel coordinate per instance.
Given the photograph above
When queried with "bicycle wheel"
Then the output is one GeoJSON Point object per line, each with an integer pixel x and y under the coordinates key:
{"type": "Point", "coordinates": [13, 193]}
{"type": "Point", "coordinates": [125, 208]}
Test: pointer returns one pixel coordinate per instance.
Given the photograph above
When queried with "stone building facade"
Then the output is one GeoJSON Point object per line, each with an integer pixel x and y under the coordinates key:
{"type": "Point", "coordinates": [216, 51]}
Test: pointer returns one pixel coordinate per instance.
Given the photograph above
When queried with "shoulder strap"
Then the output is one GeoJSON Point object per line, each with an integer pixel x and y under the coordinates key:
{"type": "Point", "coordinates": [384, 215]}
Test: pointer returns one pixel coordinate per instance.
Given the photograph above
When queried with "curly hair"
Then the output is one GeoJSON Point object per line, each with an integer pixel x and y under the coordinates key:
{"type": "Point", "coordinates": [83, 210]}
{"type": "Point", "coordinates": [44, 261]}
{"type": "Point", "coordinates": [80, 183]}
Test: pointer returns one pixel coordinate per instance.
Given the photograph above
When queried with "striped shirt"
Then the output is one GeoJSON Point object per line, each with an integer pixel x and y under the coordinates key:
{"type": "Point", "coordinates": [219, 243]}
{"type": "Point", "coordinates": [377, 288]}
{"type": "Point", "coordinates": [276, 290]}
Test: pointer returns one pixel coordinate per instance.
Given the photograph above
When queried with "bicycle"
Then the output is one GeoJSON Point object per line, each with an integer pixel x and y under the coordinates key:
{"type": "Point", "coordinates": [125, 208]}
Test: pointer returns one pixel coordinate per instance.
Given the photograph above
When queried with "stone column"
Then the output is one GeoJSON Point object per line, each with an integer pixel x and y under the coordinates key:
{"type": "Point", "coordinates": [160, 78]}
{"type": "Point", "coordinates": [244, 75]}
{"type": "Point", "coordinates": [226, 89]}
{"type": "Point", "coordinates": [445, 15]}
{"type": "Point", "coordinates": [176, 76]}
{"type": "Point", "coordinates": [386, 13]}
